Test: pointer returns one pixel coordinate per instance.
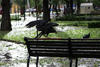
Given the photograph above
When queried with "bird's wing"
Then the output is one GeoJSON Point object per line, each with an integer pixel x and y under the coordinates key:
{"type": "Point", "coordinates": [52, 30]}
{"type": "Point", "coordinates": [31, 24]}
{"type": "Point", "coordinates": [52, 24]}
{"type": "Point", "coordinates": [42, 22]}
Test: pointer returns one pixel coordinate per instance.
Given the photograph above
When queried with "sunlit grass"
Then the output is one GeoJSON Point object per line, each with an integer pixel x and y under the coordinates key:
{"type": "Point", "coordinates": [17, 35]}
{"type": "Point", "coordinates": [77, 33]}
{"type": "Point", "coordinates": [72, 33]}
{"type": "Point", "coordinates": [75, 23]}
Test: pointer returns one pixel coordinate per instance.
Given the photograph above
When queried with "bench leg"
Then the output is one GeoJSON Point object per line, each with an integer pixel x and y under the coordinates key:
{"type": "Point", "coordinates": [76, 62]}
{"type": "Point", "coordinates": [37, 60]}
{"type": "Point", "coordinates": [28, 61]}
{"type": "Point", "coordinates": [70, 62]}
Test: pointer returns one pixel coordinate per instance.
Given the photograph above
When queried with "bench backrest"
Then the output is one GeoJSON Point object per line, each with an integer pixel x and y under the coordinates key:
{"type": "Point", "coordinates": [88, 48]}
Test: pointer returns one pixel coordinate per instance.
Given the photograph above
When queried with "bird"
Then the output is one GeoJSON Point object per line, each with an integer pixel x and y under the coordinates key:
{"type": "Point", "coordinates": [86, 36]}
{"type": "Point", "coordinates": [37, 22]}
{"type": "Point", "coordinates": [44, 26]}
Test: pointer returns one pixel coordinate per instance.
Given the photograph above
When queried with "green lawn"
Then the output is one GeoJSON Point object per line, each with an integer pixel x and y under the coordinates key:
{"type": "Point", "coordinates": [72, 33]}
{"type": "Point", "coordinates": [76, 23]}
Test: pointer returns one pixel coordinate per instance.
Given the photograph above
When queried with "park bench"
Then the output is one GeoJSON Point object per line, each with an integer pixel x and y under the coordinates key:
{"type": "Point", "coordinates": [57, 47]}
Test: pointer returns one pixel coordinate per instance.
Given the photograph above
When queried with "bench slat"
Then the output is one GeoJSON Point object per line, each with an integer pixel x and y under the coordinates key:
{"type": "Point", "coordinates": [50, 54]}
{"type": "Point", "coordinates": [64, 47]}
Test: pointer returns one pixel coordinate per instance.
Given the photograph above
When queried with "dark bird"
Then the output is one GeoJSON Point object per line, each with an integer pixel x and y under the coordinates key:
{"type": "Point", "coordinates": [86, 36]}
{"type": "Point", "coordinates": [44, 26]}
{"type": "Point", "coordinates": [37, 22]}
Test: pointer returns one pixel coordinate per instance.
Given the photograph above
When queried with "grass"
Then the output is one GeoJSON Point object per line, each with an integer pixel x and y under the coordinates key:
{"type": "Point", "coordinates": [75, 18]}
{"type": "Point", "coordinates": [75, 23]}
{"type": "Point", "coordinates": [2, 63]}
{"type": "Point", "coordinates": [78, 33]}
{"type": "Point", "coordinates": [13, 17]}
{"type": "Point", "coordinates": [17, 35]}
{"type": "Point", "coordinates": [16, 17]}
{"type": "Point", "coordinates": [72, 33]}
{"type": "Point", "coordinates": [63, 61]}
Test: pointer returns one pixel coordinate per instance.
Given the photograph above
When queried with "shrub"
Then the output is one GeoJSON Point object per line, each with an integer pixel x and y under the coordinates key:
{"type": "Point", "coordinates": [93, 25]}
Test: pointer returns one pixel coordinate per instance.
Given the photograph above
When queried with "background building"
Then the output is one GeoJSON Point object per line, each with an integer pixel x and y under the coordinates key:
{"type": "Point", "coordinates": [86, 8]}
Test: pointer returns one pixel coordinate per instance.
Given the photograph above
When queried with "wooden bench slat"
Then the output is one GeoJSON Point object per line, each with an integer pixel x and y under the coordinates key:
{"type": "Point", "coordinates": [86, 48]}
{"type": "Point", "coordinates": [80, 55]}
{"type": "Point", "coordinates": [50, 54]}
{"type": "Point", "coordinates": [47, 41]}
{"type": "Point", "coordinates": [64, 47]}
{"type": "Point", "coordinates": [49, 47]}
{"type": "Point", "coordinates": [41, 50]}
{"type": "Point", "coordinates": [50, 44]}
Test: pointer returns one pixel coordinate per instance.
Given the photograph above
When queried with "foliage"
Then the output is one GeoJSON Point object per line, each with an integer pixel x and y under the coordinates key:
{"type": "Point", "coordinates": [78, 18]}
{"type": "Point", "coordinates": [20, 2]}
{"type": "Point", "coordinates": [0, 2]}
{"type": "Point", "coordinates": [94, 25]}
{"type": "Point", "coordinates": [96, 2]}
{"type": "Point", "coordinates": [32, 3]}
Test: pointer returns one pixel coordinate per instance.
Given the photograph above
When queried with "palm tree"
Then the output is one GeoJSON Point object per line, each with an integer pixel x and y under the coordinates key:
{"type": "Point", "coordinates": [6, 21]}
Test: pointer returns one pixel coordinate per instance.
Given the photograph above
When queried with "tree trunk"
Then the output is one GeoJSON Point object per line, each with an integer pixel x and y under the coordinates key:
{"type": "Point", "coordinates": [46, 13]}
{"type": "Point", "coordinates": [78, 6]}
{"type": "Point", "coordinates": [71, 7]}
{"type": "Point", "coordinates": [67, 8]}
{"type": "Point", "coordinates": [6, 21]}
{"type": "Point", "coordinates": [55, 7]}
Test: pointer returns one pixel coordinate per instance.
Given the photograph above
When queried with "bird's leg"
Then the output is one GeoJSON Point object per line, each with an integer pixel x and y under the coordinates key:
{"type": "Point", "coordinates": [39, 35]}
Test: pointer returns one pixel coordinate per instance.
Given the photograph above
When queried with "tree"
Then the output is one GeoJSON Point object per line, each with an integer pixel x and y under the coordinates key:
{"type": "Point", "coordinates": [6, 21]}
{"type": "Point", "coordinates": [46, 13]}
{"type": "Point", "coordinates": [96, 3]}
{"type": "Point", "coordinates": [22, 4]}
{"type": "Point", "coordinates": [0, 2]}
{"type": "Point", "coordinates": [38, 6]}
{"type": "Point", "coordinates": [55, 4]}
{"type": "Point", "coordinates": [78, 5]}
{"type": "Point", "coordinates": [71, 6]}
